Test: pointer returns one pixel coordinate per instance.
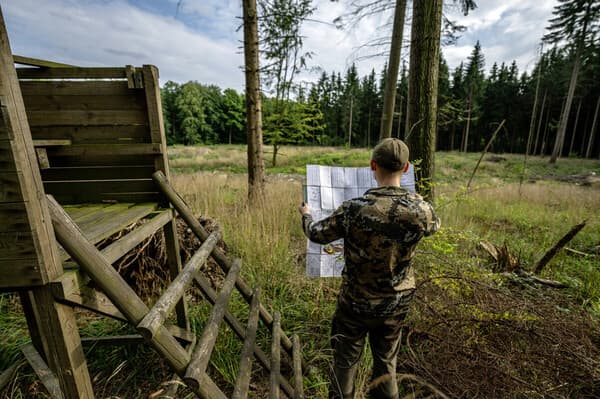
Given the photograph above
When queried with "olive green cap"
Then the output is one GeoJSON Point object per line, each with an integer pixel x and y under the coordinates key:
{"type": "Point", "coordinates": [391, 154]}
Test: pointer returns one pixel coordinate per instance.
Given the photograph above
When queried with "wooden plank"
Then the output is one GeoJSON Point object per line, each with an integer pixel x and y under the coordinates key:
{"type": "Point", "coordinates": [103, 160]}
{"type": "Point", "coordinates": [10, 186]}
{"type": "Point", "coordinates": [101, 190]}
{"type": "Point", "coordinates": [74, 88]}
{"type": "Point", "coordinates": [97, 173]}
{"type": "Point", "coordinates": [94, 150]}
{"type": "Point", "coordinates": [275, 357]}
{"type": "Point", "coordinates": [13, 217]}
{"type": "Point", "coordinates": [78, 211]}
{"type": "Point", "coordinates": [297, 368]}
{"type": "Point", "coordinates": [240, 390]}
{"type": "Point", "coordinates": [167, 301]}
{"type": "Point", "coordinates": [7, 160]}
{"type": "Point", "coordinates": [19, 273]}
{"type": "Point", "coordinates": [108, 225]}
{"type": "Point", "coordinates": [14, 121]}
{"type": "Point", "coordinates": [19, 59]}
{"type": "Point", "coordinates": [135, 100]}
{"type": "Point", "coordinates": [51, 143]}
{"type": "Point", "coordinates": [86, 117]}
{"type": "Point", "coordinates": [112, 284]}
{"type": "Point", "coordinates": [174, 263]}
{"type": "Point", "coordinates": [43, 371]}
{"type": "Point", "coordinates": [94, 134]}
{"type": "Point", "coordinates": [155, 116]}
{"type": "Point", "coordinates": [58, 332]}
{"type": "Point", "coordinates": [119, 248]}
{"type": "Point", "coordinates": [70, 72]}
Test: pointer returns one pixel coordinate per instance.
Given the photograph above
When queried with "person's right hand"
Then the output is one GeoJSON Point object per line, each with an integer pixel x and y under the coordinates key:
{"type": "Point", "coordinates": [304, 209]}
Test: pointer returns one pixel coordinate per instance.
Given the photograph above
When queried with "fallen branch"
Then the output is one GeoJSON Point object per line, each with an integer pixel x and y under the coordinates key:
{"type": "Point", "coordinates": [484, 152]}
{"type": "Point", "coordinates": [561, 243]}
{"type": "Point", "coordinates": [576, 252]}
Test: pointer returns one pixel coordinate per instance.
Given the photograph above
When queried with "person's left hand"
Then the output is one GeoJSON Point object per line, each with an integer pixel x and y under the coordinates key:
{"type": "Point", "coordinates": [304, 209]}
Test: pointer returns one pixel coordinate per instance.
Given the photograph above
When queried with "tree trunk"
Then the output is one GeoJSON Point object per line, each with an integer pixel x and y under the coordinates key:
{"type": "Point", "coordinates": [400, 116]}
{"type": "Point", "coordinates": [465, 143]}
{"type": "Point", "coordinates": [564, 118]}
{"type": "Point", "coordinates": [423, 88]}
{"type": "Point", "coordinates": [350, 123]}
{"type": "Point", "coordinates": [533, 112]}
{"type": "Point", "coordinates": [575, 127]}
{"type": "Point", "coordinates": [539, 125]}
{"type": "Point", "coordinates": [389, 93]}
{"type": "Point", "coordinates": [588, 153]}
{"type": "Point", "coordinates": [275, 150]}
{"type": "Point", "coordinates": [256, 166]}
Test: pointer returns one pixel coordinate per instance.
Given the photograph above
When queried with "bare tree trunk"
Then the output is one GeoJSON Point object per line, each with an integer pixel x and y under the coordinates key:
{"type": "Point", "coordinates": [564, 118]}
{"type": "Point", "coordinates": [539, 126]}
{"type": "Point", "coordinates": [256, 166]}
{"type": "Point", "coordinates": [465, 143]}
{"type": "Point", "coordinates": [389, 92]}
{"type": "Point", "coordinates": [400, 116]}
{"type": "Point", "coordinates": [423, 88]}
{"type": "Point", "coordinates": [575, 127]}
{"type": "Point", "coordinates": [588, 153]}
{"type": "Point", "coordinates": [350, 123]}
{"type": "Point", "coordinates": [534, 111]}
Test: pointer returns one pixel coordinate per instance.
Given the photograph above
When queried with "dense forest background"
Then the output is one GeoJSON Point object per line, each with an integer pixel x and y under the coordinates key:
{"type": "Point", "coordinates": [345, 108]}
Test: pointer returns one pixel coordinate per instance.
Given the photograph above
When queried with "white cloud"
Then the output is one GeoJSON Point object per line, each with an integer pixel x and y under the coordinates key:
{"type": "Point", "coordinates": [202, 42]}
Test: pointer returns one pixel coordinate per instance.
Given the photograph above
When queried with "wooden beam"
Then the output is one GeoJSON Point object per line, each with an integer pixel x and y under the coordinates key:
{"type": "Point", "coordinates": [43, 371]}
{"type": "Point", "coordinates": [167, 301]}
{"type": "Point", "coordinates": [113, 285]}
{"type": "Point", "coordinates": [19, 59]}
{"type": "Point", "coordinates": [297, 367]}
{"type": "Point", "coordinates": [203, 350]}
{"type": "Point", "coordinates": [174, 263]}
{"type": "Point", "coordinates": [63, 71]}
{"type": "Point", "coordinates": [240, 391]}
{"type": "Point", "coordinates": [219, 256]}
{"type": "Point", "coordinates": [155, 116]}
{"type": "Point", "coordinates": [275, 357]}
{"type": "Point", "coordinates": [210, 294]}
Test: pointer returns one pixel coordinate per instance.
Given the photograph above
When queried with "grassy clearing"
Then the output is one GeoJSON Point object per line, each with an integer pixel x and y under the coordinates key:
{"type": "Point", "coordinates": [529, 217]}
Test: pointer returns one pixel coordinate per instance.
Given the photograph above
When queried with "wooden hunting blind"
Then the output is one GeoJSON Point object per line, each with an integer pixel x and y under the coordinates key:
{"type": "Point", "coordinates": [83, 156]}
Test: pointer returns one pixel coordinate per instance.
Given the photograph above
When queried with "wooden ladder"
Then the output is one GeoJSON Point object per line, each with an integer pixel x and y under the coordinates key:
{"type": "Point", "coordinates": [189, 363]}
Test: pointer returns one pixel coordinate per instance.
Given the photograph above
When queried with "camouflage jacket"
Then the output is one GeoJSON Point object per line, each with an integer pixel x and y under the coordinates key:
{"type": "Point", "coordinates": [380, 230]}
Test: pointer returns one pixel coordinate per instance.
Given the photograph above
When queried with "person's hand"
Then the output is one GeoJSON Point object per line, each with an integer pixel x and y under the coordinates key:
{"type": "Point", "coordinates": [304, 209]}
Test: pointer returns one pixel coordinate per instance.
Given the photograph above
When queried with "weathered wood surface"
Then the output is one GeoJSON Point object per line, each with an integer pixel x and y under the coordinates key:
{"type": "Point", "coordinates": [203, 350]}
{"type": "Point", "coordinates": [155, 116]}
{"type": "Point", "coordinates": [43, 371]}
{"type": "Point", "coordinates": [112, 284]}
{"type": "Point", "coordinates": [275, 357]}
{"type": "Point", "coordinates": [167, 301]}
{"type": "Point", "coordinates": [297, 368]}
{"type": "Point", "coordinates": [69, 72]}
{"type": "Point", "coordinates": [18, 152]}
{"type": "Point", "coordinates": [125, 134]}
{"type": "Point", "coordinates": [135, 100]}
{"type": "Point", "coordinates": [240, 390]}
{"type": "Point", "coordinates": [74, 88]}
{"type": "Point", "coordinates": [97, 173]}
{"type": "Point", "coordinates": [86, 117]}
{"type": "Point", "coordinates": [239, 330]}
{"type": "Point", "coordinates": [19, 59]}
{"type": "Point", "coordinates": [174, 263]}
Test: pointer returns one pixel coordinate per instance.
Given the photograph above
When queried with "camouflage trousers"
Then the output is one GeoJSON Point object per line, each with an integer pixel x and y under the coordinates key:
{"type": "Point", "coordinates": [348, 334]}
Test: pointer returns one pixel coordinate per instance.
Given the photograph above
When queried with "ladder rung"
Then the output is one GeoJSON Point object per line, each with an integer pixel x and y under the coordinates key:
{"type": "Point", "coordinates": [243, 380]}
{"type": "Point", "coordinates": [297, 364]}
{"type": "Point", "coordinates": [168, 300]}
{"type": "Point", "coordinates": [275, 357]}
{"type": "Point", "coordinates": [201, 356]}
{"type": "Point", "coordinates": [237, 327]}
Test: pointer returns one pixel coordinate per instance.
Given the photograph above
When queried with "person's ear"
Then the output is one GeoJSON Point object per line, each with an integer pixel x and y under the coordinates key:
{"type": "Point", "coordinates": [406, 167]}
{"type": "Point", "coordinates": [373, 166]}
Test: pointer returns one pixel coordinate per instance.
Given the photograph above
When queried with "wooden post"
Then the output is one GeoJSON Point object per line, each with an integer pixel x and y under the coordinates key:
{"type": "Point", "coordinates": [275, 357]}
{"type": "Point", "coordinates": [238, 329]}
{"type": "Point", "coordinates": [297, 366]}
{"type": "Point", "coordinates": [166, 303]}
{"type": "Point", "coordinates": [219, 256]}
{"type": "Point", "coordinates": [113, 285]}
{"type": "Point", "coordinates": [206, 343]}
{"type": "Point", "coordinates": [242, 382]}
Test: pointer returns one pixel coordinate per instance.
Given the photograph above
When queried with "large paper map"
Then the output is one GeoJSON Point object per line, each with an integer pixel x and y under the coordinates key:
{"type": "Point", "coordinates": [326, 188]}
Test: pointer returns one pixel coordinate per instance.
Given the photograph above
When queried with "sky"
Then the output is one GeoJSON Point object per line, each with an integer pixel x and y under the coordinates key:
{"type": "Point", "coordinates": [201, 40]}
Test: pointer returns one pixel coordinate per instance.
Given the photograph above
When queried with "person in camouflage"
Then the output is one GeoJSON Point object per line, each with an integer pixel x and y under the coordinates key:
{"type": "Point", "coordinates": [381, 230]}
